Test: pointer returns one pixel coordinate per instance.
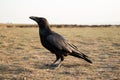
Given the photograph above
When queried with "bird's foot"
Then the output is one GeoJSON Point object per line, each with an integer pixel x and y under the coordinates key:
{"type": "Point", "coordinates": [53, 65]}
{"type": "Point", "coordinates": [58, 66]}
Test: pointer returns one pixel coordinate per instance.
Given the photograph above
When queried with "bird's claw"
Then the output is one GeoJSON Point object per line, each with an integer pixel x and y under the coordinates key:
{"type": "Point", "coordinates": [55, 66]}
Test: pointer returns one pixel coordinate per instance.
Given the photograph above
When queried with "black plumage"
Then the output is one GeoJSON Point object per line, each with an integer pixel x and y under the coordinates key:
{"type": "Point", "coordinates": [55, 43]}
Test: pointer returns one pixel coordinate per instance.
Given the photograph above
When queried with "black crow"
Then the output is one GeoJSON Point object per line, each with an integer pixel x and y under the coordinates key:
{"type": "Point", "coordinates": [55, 43]}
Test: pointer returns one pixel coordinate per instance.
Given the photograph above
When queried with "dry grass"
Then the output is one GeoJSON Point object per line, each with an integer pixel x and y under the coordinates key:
{"type": "Point", "coordinates": [23, 58]}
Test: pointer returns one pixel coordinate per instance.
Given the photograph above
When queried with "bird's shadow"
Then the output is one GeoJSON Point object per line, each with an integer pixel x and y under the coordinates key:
{"type": "Point", "coordinates": [45, 66]}
{"type": "Point", "coordinates": [49, 66]}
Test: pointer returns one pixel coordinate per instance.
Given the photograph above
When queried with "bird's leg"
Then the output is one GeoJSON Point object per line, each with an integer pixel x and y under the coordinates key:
{"type": "Point", "coordinates": [55, 61]}
{"type": "Point", "coordinates": [59, 64]}
{"type": "Point", "coordinates": [57, 58]}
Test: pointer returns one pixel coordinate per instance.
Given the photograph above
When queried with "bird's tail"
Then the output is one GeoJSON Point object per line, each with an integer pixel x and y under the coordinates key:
{"type": "Point", "coordinates": [81, 55]}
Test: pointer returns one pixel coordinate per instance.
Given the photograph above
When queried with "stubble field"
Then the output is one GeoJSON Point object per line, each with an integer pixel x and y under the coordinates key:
{"type": "Point", "coordinates": [22, 56]}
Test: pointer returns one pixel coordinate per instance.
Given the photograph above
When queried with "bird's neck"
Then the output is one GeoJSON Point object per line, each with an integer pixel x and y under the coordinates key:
{"type": "Point", "coordinates": [45, 30]}
{"type": "Point", "coordinates": [44, 26]}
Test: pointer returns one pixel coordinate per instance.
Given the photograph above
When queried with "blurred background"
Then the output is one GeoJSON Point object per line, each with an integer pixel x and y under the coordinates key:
{"type": "Point", "coordinates": [85, 12]}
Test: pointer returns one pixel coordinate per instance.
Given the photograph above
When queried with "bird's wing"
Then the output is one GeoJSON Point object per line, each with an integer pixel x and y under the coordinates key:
{"type": "Point", "coordinates": [60, 43]}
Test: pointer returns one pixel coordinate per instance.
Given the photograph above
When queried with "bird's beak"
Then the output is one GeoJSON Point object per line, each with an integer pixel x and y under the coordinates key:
{"type": "Point", "coordinates": [33, 18]}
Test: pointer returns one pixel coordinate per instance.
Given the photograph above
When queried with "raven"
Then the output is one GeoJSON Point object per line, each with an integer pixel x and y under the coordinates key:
{"type": "Point", "coordinates": [55, 43]}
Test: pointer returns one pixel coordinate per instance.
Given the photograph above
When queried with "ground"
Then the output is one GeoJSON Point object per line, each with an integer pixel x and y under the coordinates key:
{"type": "Point", "coordinates": [22, 56]}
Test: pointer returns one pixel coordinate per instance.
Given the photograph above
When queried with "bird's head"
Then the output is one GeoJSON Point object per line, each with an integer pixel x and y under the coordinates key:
{"type": "Point", "coordinates": [42, 22]}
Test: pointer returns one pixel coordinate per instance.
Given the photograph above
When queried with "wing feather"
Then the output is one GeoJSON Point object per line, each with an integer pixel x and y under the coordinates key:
{"type": "Point", "coordinates": [59, 42]}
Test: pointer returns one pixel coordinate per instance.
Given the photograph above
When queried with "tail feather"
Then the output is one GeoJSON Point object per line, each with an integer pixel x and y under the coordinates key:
{"type": "Point", "coordinates": [81, 55]}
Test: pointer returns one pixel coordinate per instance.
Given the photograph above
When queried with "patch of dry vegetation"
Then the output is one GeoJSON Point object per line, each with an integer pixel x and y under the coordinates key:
{"type": "Point", "coordinates": [23, 58]}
